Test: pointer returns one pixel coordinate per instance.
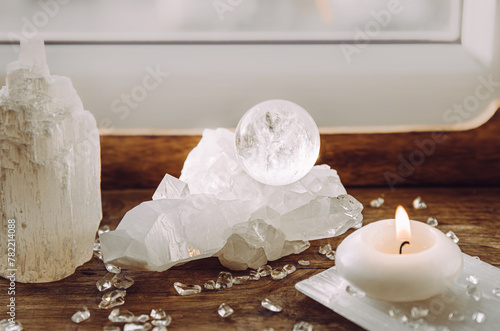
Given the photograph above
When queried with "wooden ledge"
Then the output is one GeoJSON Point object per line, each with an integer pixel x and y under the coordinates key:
{"type": "Point", "coordinates": [470, 157]}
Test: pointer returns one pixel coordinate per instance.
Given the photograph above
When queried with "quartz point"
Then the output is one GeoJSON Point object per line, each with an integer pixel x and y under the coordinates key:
{"type": "Point", "coordinates": [81, 315]}
{"type": "Point", "coordinates": [289, 268]}
{"type": "Point", "coordinates": [183, 289]}
{"type": "Point", "coordinates": [265, 270]}
{"type": "Point", "coordinates": [240, 280]}
{"type": "Point", "coordinates": [209, 285]}
{"type": "Point", "coordinates": [302, 326]}
{"type": "Point", "coordinates": [224, 280]}
{"type": "Point", "coordinates": [456, 316]}
{"type": "Point", "coordinates": [324, 249]}
{"type": "Point", "coordinates": [122, 281]}
{"type": "Point", "coordinates": [377, 203]}
{"type": "Point", "coordinates": [49, 170]}
{"type": "Point", "coordinates": [304, 262]}
{"type": "Point", "coordinates": [452, 236]}
{"type": "Point", "coordinates": [118, 315]}
{"type": "Point", "coordinates": [418, 203]}
{"type": "Point", "coordinates": [223, 202]}
{"type": "Point", "coordinates": [479, 317]}
{"type": "Point", "coordinates": [158, 314]}
{"type": "Point", "coordinates": [224, 310]}
{"type": "Point", "coordinates": [432, 221]}
{"type": "Point", "coordinates": [269, 305]}
{"type": "Point", "coordinates": [278, 273]}
{"type": "Point", "coordinates": [105, 282]}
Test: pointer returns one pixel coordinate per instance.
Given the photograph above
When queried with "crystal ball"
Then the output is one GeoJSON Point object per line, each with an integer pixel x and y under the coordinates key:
{"type": "Point", "coordinates": [277, 142]}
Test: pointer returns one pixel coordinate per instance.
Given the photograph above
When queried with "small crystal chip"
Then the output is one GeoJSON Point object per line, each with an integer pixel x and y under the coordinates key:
{"type": "Point", "coordinates": [398, 315]}
{"type": "Point", "coordinates": [6, 325]}
{"type": "Point", "coordinates": [418, 203]}
{"type": "Point", "coordinates": [162, 322]}
{"type": "Point", "coordinates": [240, 280]}
{"type": "Point", "coordinates": [289, 268]}
{"type": "Point", "coordinates": [268, 329]}
{"type": "Point", "coordinates": [473, 279]}
{"type": "Point", "coordinates": [432, 221]}
{"type": "Point", "coordinates": [473, 292]}
{"type": "Point", "coordinates": [331, 255]}
{"type": "Point", "coordinates": [118, 315]}
{"type": "Point", "coordinates": [419, 312]}
{"type": "Point", "coordinates": [224, 310]}
{"type": "Point", "coordinates": [496, 292]}
{"type": "Point", "coordinates": [122, 281]}
{"type": "Point", "coordinates": [476, 258]}
{"type": "Point", "coordinates": [355, 292]}
{"type": "Point", "coordinates": [479, 317]}
{"type": "Point", "coordinates": [141, 318]}
{"type": "Point", "coordinates": [377, 203]}
{"type": "Point", "coordinates": [79, 316]}
{"type": "Point", "coordinates": [456, 316]}
{"type": "Point", "coordinates": [254, 275]}
{"type": "Point", "coordinates": [265, 270]}
{"type": "Point", "coordinates": [112, 299]}
{"type": "Point", "coordinates": [325, 249]}
{"type": "Point", "coordinates": [137, 327]}
{"type": "Point", "coordinates": [452, 236]}
{"type": "Point", "coordinates": [278, 273]}
{"type": "Point", "coordinates": [112, 268]}
{"type": "Point", "coordinates": [209, 285]}
{"type": "Point", "coordinates": [269, 305]}
{"type": "Point", "coordinates": [302, 326]}
{"type": "Point", "coordinates": [111, 328]}
{"type": "Point", "coordinates": [103, 229]}
{"type": "Point", "coordinates": [97, 249]}
{"type": "Point", "coordinates": [158, 314]}
{"type": "Point", "coordinates": [159, 328]}
{"type": "Point", "coordinates": [105, 282]}
{"type": "Point", "coordinates": [225, 280]}
{"type": "Point", "coordinates": [183, 289]}
{"type": "Point", "coordinates": [304, 262]}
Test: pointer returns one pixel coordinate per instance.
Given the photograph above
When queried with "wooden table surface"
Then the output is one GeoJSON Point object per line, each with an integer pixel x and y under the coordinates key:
{"type": "Point", "coordinates": [472, 213]}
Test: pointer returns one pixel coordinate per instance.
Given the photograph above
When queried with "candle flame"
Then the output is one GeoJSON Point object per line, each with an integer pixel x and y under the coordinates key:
{"type": "Point", "coordinates": [403, 230]}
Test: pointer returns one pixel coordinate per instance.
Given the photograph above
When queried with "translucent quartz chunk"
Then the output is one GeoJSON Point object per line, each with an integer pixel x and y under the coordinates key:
{"type": "Point", "coordinates": [158, 314]}
{"type": "Point", "coordinates": [419, 312]}
{"type": "Point", "coordinates": [474, 292]}
{"type": "Point", "coordinates": [171, 188]}
{"type": "Point", "coordinates": [355, 292]}
{"type": "Point", "coordinates": [141, 318]}
{"type": "Point", "coordinates": [118, 315]}
{"type": "Point", "coordinates": [209, 285]}
{"type": "Point", "coordinates": [137, 327]}
{"type": "Point", "coordinates": [224, 280]}
{"type": "Point", "coordinates": [240, 280]}
{"type": "Point", "coordinates": [289, 268]}
{"type": "Point", "coordinates": [112, 299]}
{"type": "Point", "coordinates": [473, 279]}
{"type": "Point", "coordinates": [112, 268]}
{"type": "Point", "coordinates": [302, 326]}
{"type": "Point", "coordinates": [479, 317]}
{"type": "Point", "coordinates": [278, 273]}
{"type": "Point", "coordinates": [398, 315]}
{"type": "Point", "coordinates": [81, 315]}
{"type": "Point", "coordinates": [105, 282]}
{"type": "Point", "coordinates": [183, 289]}
{"type": "Point", "coordinates": [304, 262]}
{"type": "Point", "coordinates": [265, 270]}
{"type": "Point", "coordinates": [269, 305]}
{"type": "Point", "coordinates": [452, 236]}
{"type": "Point", "coordinates": [122, 281]}
{"type": "Point", "coordinates": [377, 203]}
{"type": "Point", "coordinates": [254, 275]}
{"type": "Point", "coordinates": [324, 249]}
{"type": "Point", "coordinates": [456, 316]}
{"type": "Point", "coordinates": [6, 325]}
{"type": "Point", "coordinates": [224, 310]}
{"type": "Point", "coordinates": [162, 322]}
{"type": "Point", "coordinates": [432, 221]}
{"type": "Point", "coordinates": [330, 255]}
{"type": "Point", "coordinates": [418, 203]}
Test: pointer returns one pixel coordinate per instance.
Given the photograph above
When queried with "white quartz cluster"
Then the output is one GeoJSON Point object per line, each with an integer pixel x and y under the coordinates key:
{"type": "Point", "coordinates": [49, 172]}
{"type": "Point", "coordinates": [216, 208]}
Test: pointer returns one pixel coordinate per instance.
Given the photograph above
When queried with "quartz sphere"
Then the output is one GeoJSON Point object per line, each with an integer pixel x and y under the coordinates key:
{"type": "Point", "coordinates": [277, 142]}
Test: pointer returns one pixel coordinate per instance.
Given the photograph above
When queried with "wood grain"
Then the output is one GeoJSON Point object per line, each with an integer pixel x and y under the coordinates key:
{"type": "Point", "coordinates": [469, 158]}
{"type": "Point", "coordinates": [472, 213]}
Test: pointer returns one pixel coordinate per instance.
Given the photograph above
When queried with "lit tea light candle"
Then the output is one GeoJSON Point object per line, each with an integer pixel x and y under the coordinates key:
{"type": "Point", "coordinates": [399, 260]}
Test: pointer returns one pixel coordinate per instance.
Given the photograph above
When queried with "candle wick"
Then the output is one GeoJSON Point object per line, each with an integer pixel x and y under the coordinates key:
{"type": "Point", "coordinates": [401, 247]}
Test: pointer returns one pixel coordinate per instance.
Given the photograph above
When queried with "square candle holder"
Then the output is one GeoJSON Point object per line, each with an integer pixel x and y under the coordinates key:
{"type": "Point", "coordinates": [472, 303]}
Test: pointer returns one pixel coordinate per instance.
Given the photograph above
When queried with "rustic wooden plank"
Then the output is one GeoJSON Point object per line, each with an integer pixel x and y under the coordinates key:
{"type": "Point", "coordinates": [367, 159]}
{"type": "Point", "coordinates": [472, 213]}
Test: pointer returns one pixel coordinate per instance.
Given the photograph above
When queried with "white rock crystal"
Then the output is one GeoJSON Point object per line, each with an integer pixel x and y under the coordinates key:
{"type": "Point", "coordinates": [215, 202]}
{"type": "Point", "coordinates": [49, 171]}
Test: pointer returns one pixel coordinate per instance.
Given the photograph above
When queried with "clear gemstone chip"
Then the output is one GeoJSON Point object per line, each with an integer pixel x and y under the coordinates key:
{"type": "Point", "coordinates": [265, 270]}
{"type": "Point", "coordinates": [254, 275]}
{"type": "Point", "coordinates": [432, 221]}
{"type": "Point", "coordinates": [105, 282]}
{"type": "Point", "coordinates": [473, 279]}
{"type": "Point", "coordinates": [452, 236]}
{"type": "Point", "coordinates": [377, 203]}
{"type": "Point", "coordinates": [289, 268]}
{"type": "Point", "coordinates": [331, 255]}
{"type": "Point", "coordinates": [419, 312]}
{"type": "Point", "coordinates": [302, 326]}
{"type": "Point", "coordinates": [474, 292]}
{"type": "Point", "coordinates": [304, 262]}
{"type": "Point", "coordinates": [118, 315]}
{"type": "Point", "coordinates": [184, 289]}
{"type": "Point", "coordinates": [418, 203]}
{"type": "Point", "coordinates": [112, 299]}
{"type": "Point", "coordinates": [278, 273]}
{"type": "Point", "coordinates": [112, 268]}
{"type": "Point", "coordinates": [355, 292]}
{"type": "Point", "coordinates": [209, 285]}
{"type": "Point", "coordinates": [456, 316]}
{"type": "Point", "coordinates": [158, 314]}
{"type": "Point", "coordinates": [479, 317]}
{"type": "Point", "coordinates": [79, 316]}
{"type": "Point", "coordinates": [240, 280]}
{"type": "Point", "coordinates": [269, 305]}
{"type": "Point", "coordinates": [225, 280]}
{"type": "Point", "coordinates": [224, 310]}
{"type": "Point", "coordinates": [398, 315]}
{"type": "Point", "coordinates": [324, 249]}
